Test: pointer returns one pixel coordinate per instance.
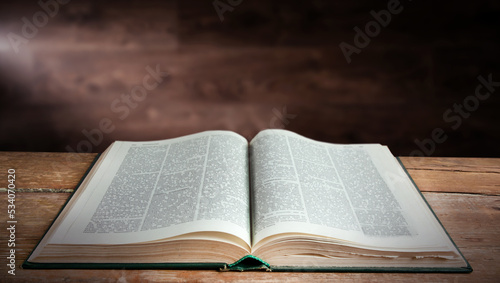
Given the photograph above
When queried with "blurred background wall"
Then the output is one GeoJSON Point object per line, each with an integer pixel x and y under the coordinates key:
{"type": "Point", "coordinates": [77, 75]}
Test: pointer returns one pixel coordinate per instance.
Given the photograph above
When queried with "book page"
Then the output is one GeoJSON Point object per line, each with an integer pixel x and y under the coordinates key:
{"type": "Point", "coordinates": [147, 191]}
{"type": "Point", "coordinates": [356, 193]}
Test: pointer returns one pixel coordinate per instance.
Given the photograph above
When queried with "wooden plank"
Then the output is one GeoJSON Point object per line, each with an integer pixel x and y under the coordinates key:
{"type": "Point", "coordinates": [214, 74]}
{"type": "Point", "coordinates": [455, 164]}
{"type": "Point", "coordinates": [61, 93]}
{"type": "Point", "coordinates": [463, 175]}
{"type": "Point", "coordinates": [264, 55]}
{"type": "Point", "coordinates": [300, 23]}
{"type": "Point", "coordinates": [47, 171]}
{"type": "Point", "coordinates": [97, 26]}
{"type": "Point", "coordinates": [62, 171]}
{"type": "Point", "coordinates": [471, 221]}
{"type": "Point", "coordinates": [215, 276]}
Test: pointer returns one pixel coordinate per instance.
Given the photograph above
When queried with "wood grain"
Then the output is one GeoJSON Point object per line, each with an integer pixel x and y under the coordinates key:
{"type": "Point", "coordinates": [457, 175]}
{"type": "Point", "coordinates": [231, 74]}
{"type": "Point", "coordinates": [469, 209]}
{"type": "Point", "coordinates": [45, 171]}
{"type": "Point", "coordinates": [469, 219]}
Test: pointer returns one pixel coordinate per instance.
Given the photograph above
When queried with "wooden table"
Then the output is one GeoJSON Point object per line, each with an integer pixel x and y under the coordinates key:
{"type": "Point", "coordinates": [464, 193]}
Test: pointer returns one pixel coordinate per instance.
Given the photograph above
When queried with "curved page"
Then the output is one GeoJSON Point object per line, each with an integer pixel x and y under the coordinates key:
{"type": "Point", "coordinates": [146, 191]}
{"type": "Point", "coordinates": [357, 194]}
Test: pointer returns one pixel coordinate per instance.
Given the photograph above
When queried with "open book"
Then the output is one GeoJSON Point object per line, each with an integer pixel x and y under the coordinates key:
{"type": "Point", "coordinates": [280, 202]}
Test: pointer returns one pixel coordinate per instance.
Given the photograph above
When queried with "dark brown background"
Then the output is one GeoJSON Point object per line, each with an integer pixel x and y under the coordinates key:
{"type": "Point", "coordinates": [240, 73]}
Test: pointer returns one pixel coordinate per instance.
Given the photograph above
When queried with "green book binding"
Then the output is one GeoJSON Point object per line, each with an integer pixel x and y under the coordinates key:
{"type": "Point", "coordinates": [248, 263]}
